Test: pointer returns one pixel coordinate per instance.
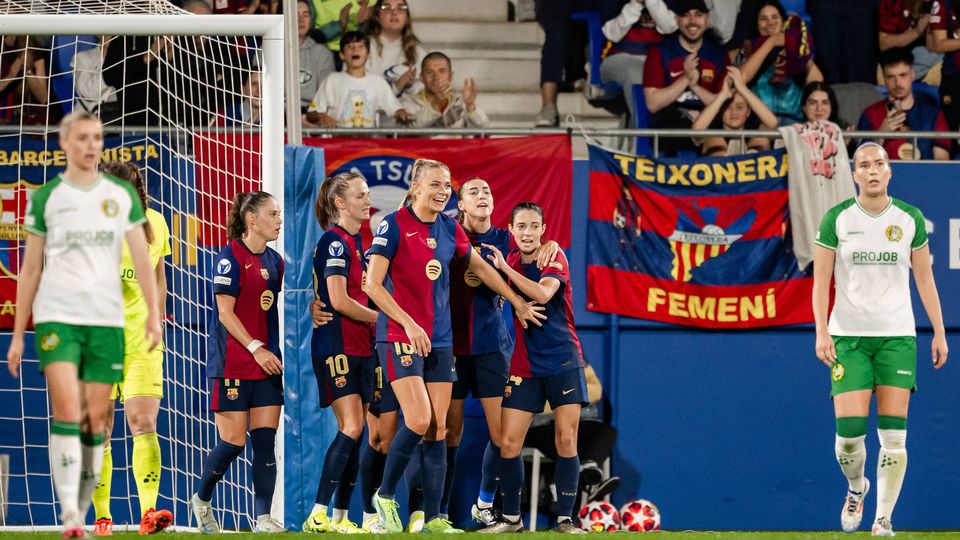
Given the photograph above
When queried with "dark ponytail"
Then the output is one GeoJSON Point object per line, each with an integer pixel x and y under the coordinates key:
{"type": "Point", "coordinates": [130, 173]}
{"type": "Point", "coordinates": [325, 206]}
{"type": "Point", "coordinates": [245, 202]}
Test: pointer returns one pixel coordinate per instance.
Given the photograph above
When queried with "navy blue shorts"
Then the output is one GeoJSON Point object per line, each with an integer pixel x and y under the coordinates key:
{"type": "Point", "coordinates": [239, 395]}
{"type": "Point", "coordinates": [338, 375]}
{"type": "Point", "coordinates": [481, 375]}
{"type": "Point", "coordinates": [382, 400]}
{"type": "Point", "coordinates": [399, 360]}
{"type": "Point", "coordinates": [532, 393]}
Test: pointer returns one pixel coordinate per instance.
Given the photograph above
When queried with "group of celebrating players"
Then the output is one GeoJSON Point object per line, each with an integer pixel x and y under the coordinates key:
{"type": "Point", "coordinates": [414, 324]}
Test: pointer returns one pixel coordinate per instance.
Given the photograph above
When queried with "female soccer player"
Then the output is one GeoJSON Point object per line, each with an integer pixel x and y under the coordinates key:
{"type": "Point", "coordinates": [547, 365]}
{"type": "Point", "coordinates": [342, 360]}
{"type": "Point", "coordinates": [481, 342]}
{"type": "Point", "coordinates": [243, 356]}
{"type": "Point", "coordinates": [142, 386]}
{"type": "Point", "coordinates": [413, 250]}
{"type": "Point", "coordinates": [76, 225]}
{"type": "Point", "coordinates": [869, 342]}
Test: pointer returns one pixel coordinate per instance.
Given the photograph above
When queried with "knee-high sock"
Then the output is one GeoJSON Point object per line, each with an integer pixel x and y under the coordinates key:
{"type": "Point", "coordinates": [413, 480]}
{"type": "Point", "coordinates": [66, 458]}
{"type": "Point", "coordinates": [448, 479]}
{"type": "Point", "coordinates": [489, 475]}
{"type": "Point", "coordinates": [146, 469]}
{"type": "Point", "coordinates": [891, 463]}
{"type": "Point", "coordinates": [91, 448]}
{"type": "Point", "coordinates": [511, 485]}
{"type": "Point", "coordinates": [402, 446]}
{"type": "Point", "coordinates": [218, 461]}
{"type": "Point", "coordinates": [850, 450]}
{"type": "Point", "coordinates": [101, 495]}
{"type": "Point", "coordinates": [333, 465]}
{"type": "Point", "coordinates": [264, 442]}
{"type": "Point", "coordinates": [433, 471]}
{"type": "Point", "coordinates": [370, 475]}
{"type": "Point", "coordinates": [341, 497]}
{"type": "Point", "coordinates": [566, 476]}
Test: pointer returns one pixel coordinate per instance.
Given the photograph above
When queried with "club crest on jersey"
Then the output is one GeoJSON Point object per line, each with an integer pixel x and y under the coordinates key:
{"type": "Point", "coordinates": [340, 381]}
{"type": "Point", "coordinates": [406, 360]}
{"type": "Point", "coordinates": [433, 269]}
{"type": "Point", "coordinates": [110, 207]}
{"type": "Point", "coordinates": [894, 233]}
{"type": "Point", "coordinates": [432, 243]}
{"type": "Point", "coordinates": [223, 266]}
{"type": "Point", "coordinates": [507, 391]}
{"type": "Point", "coordinates": [49, 342]}
{"type": "Point", "coordinates": [336, 249]}
{"type": "Point", "coordinates": [233, 393]}
{"type": "Point", "coordinates": [836, 372]}
{"type": "Point", "coordinates": [264, 273]}
{"type": "Point", "coordinates": [266, 300]}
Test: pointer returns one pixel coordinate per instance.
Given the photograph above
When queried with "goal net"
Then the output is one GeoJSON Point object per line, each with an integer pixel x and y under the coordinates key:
{"type": "Point", "coordinates": [181, 106]}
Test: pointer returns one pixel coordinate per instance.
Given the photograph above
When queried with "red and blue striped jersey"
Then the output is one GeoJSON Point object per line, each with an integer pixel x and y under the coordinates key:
{"type": "Point", "coordinates": [338, 254]}
{"type": "Point", "coordinates": [553, 348]}
{"type": "Point", "coordinates": [419, 276]}
{"type": "Point", "coordinates": [254, 279]}
{"type": "Point", "coordinates": [478, 324]}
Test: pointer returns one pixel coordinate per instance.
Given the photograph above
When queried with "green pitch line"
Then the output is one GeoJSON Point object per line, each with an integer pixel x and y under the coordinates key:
{"type": "Point", "coordinates": [662, 535]}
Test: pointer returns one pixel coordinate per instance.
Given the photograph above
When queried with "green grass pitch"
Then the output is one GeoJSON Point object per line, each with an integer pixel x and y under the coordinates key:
{"type": "Point", "coordinates": [661, 535]}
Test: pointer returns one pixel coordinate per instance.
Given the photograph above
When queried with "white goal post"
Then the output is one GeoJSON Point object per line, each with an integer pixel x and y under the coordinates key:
{"type": "Point", "coordinates": [159, 18]}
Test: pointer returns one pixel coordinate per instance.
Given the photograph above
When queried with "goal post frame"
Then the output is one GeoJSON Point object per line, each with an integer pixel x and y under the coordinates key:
{"type": "Point", "coordinates": [271, 30]}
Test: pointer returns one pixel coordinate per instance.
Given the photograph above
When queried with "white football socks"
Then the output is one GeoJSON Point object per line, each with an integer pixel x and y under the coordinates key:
{"type": "Point", "coordinates": [891, 468]}
{"type": "Point", "coordinates": [852, 457]}
{"type": "Point", "coordinates": [65, 462]}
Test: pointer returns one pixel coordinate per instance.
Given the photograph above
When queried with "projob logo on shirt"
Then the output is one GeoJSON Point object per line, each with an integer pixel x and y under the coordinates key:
{"type": "Point", "coordinates": [871, 258]}
{"type": "Point", "coordinates": [90, 238]}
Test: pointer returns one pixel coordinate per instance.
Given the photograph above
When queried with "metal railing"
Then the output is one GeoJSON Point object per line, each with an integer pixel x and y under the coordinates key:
{"type": "Point", "coordinates": [574, 131]}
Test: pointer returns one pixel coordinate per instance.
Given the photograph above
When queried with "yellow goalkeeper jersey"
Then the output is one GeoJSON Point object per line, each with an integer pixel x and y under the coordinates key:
{"type": "Point", "coordinates": [134, 304]}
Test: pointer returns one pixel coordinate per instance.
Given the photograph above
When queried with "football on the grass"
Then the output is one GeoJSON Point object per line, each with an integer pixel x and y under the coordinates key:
{"type": "Point", "coordinates": [639, 515]}
{"type": "Point", "coordinates": [599, 516]}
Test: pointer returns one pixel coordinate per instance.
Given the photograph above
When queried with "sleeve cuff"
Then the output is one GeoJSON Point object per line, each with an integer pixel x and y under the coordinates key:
{"type": "Point", "coordinates": [923, 245]}
{"type": "Point", "coordinates": [821, 244]}
{"type": "Point", "coordinates": [34, 230]}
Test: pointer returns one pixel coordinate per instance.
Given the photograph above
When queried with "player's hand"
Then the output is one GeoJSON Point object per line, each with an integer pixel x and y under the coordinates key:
{"type": "Point", "coordinates": [319, 316]}
{"type": "Point", "coordinates": [547, 254]}
{"type": "Point", "coordinates": [154, 331]}
{"type": "Point", "coordinates": [530, 312]}
{"type": "Point", "coordinates": [826, 350]}
{"type": "Point", "coordinates": [269, 363]}
{"type": "Point", "coordinates": [406, 80]}
{"type": "Point", "coordinates": [938, 350]}
{"type": "Point", "coordinates": [14, 354]}
{"type": "Point", "coordinates": [418, 338]}
{"type": "Point", "coordinates": [496, 257]}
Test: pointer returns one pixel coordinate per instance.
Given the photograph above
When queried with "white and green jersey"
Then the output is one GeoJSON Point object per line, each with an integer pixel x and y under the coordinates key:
{"type": "Point", "coordinates": [872, 269]}
{"type": "Point", "coordinates": [84, 228]}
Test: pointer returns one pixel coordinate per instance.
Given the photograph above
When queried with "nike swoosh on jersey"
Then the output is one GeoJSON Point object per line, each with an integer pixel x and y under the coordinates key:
{"type": "Point", "coordinates": [247, 266]}
{"type": "Point", "coordinates": [409, 234]}
{"type": "Point", "coordinates": [565, 392]}
{"type": "Point", "coordinates": [676, 74]}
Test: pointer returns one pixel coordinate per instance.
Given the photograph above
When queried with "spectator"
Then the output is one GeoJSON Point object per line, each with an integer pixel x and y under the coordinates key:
{"type": "Point", "coordinates": [905, 111]}
{"type": "Point", "coordinates": [846, 35]}
{"type": "Point", "coordinates": [630, 34]}
{"type": "Point", "coordinates": [437, 105]}
{"type": "Point", "coordinates": [93, 93]}
{"type": "Point", "coordinates": [245, 111]}
{"type": "Point", "coordinates": [235, 7]}
{"type": "Point", "coordinates": [944, 39]}
{"type": "Point", "coordinates": [353, 98]}
{"type": "Point", "coordinates": [554, 17]}
{"type": "Point", "coordinates": [24, 81]}
{"type": "Point", "coordinates": [683, 74]}
{"type": "Point", "coordinates": [733, 110]}
{"type": "Point", "coordinates": [819, 102]}
{"type": "Point", "coordinates": [780, 60]}
{"type": "Point", "coordinates": [903, 23]}
{"type": "Point", "coordinates": [332, 18]}
{"type": "Point", "coordinates": [723, 17]}
{"type": "Point", "coordinates": [396, 51]}
{"type": "Point", "coordinates": [316, 61]}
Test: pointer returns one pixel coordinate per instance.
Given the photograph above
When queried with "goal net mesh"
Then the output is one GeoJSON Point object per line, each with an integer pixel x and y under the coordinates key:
{"type": "Point", "coordinates": [181, 108]}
